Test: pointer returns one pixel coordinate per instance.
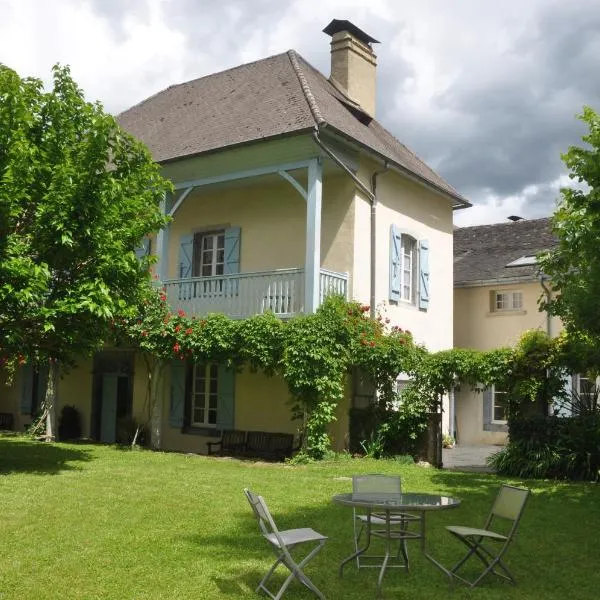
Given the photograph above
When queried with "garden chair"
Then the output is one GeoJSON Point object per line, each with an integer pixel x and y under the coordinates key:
{"type": "Point", "coordinates": [367, 487]}
{"type": "Point", "coordinates": [283, 543]}
{"type": "Point", "coordinates": [508, 506]}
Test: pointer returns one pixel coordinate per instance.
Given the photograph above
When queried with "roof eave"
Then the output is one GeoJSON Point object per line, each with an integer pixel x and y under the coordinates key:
{"type": "Point", "coordinates": [302, 131]}
{"type": "Point", "coordinates": [496, 281]}
{"type": "Point", "coordinates": [457, 201]}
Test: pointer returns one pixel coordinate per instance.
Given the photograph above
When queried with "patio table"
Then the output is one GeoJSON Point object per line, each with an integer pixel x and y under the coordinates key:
{"type": "Point", "coordinates": [384, 505]}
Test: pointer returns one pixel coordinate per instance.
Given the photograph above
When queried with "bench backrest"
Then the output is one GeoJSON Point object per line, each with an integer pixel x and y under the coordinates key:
{"type": "Point", "coordinates": [233, 437]}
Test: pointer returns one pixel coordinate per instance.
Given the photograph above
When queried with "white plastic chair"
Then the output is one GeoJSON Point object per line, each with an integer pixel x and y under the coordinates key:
{"type": "Point", "coordinates": [283, 543]}
{"type": "Point", "coordinates": [376, 486]}
{"type": "Point", "coordinates": [508, 506]}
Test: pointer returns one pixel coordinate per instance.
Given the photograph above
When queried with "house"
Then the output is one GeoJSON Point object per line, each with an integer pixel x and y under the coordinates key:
{"type": "Point", "coordinates": [496, 292]}
{"type": "Point", "coordinates": [287, 189]}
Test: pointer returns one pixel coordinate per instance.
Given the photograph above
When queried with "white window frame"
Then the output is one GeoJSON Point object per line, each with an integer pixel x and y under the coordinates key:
{"type": "Point", "coordinates": [503, 394]}
{"type": "Point", "coordinates": [218, 243]}
{"type": "Point", "coordinates": [512, 302]}
{"type": "Point", "coordinates": [203, 374]}
{"type": "Point", "coordinates": [408, 254]}
{"type": "Point", "coordinates": [578, 379]}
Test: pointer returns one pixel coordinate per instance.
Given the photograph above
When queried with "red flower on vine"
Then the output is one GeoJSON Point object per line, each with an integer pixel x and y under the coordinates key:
{"type": "Point", "coordinates": [189, 331]}
{"type": "Point", "coordinates": [181, 312]}
{"type": "Point", "coordinates": [176, 347]}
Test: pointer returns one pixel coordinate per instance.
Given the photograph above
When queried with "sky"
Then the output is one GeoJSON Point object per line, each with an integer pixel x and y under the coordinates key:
{"type": "Point", "coordinates": [485, 92]}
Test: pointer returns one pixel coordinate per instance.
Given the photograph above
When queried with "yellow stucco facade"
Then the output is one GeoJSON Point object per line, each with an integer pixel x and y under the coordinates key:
{"type": "Point", "coordinates": [272, 219]}
{"type": "Point", "coordinates": [478, 326]}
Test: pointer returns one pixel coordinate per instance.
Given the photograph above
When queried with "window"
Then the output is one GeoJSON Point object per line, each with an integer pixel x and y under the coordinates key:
{"type": "Point", "coordinates": [507, 300]}
{"type": "Point", "coordinates": [403, 267]}
{"type": "Point", "coordinates": [408, 268]}
{"type": "Point", "coordinates": [209, 261]}
{"type": "Point", "coordinates": [499, 406]}
{"type": "Point", "coordinates": [205, 395]}
{"type": "Point", "coordinates": [209, 254]}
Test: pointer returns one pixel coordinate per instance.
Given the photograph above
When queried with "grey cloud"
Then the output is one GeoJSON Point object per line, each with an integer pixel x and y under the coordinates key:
{"type": "Point", "coordinates": [508, 132]}
{"type": "Point", "coordinates": [499, 128]}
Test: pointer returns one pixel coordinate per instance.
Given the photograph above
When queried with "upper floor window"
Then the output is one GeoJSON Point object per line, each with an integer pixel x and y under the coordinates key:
{"type": "Point", "coordinates": [409, 269]}
{"type": "Point", "coordinates": [208, 254]}
{"type": "Point", "coordinates": [507, 300]}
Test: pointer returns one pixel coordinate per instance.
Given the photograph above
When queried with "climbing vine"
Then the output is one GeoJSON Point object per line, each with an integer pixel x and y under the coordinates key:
{"type": "Point", "coordinates": [315, 353]}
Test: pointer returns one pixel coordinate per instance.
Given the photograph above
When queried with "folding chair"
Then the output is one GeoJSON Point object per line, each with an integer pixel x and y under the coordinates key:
{"type": "Point", "coordinates": [282, 543]}
{"type": "Point", "coordinates": [369, 487]}
{"type": "Point", "coordinates": [509, 505]}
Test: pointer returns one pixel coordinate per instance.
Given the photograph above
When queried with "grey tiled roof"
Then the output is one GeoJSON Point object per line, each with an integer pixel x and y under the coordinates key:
{"type": "Point", "coordinates": [482, 252]}
{"type": "Point", "coordinates": [271, 97]}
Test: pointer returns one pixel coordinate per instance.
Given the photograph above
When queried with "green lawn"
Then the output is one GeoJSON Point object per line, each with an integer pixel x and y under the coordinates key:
{"type": "Point", "coordinates": [90, 522]}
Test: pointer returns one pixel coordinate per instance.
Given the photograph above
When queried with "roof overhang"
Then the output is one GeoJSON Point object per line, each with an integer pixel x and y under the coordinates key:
{"type": "Point", "coordinates": [497, 281]}
{"type": "Point", "coordinates": [457, 202]}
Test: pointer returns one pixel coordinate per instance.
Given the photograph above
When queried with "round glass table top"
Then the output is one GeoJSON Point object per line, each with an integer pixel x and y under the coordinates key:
{"type": "Point", "coordinates": [407, 501]}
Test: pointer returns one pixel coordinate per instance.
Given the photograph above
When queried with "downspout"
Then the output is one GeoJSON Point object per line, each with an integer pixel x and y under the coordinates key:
{"type": "Point", "coordinates": [374, 235]}
{"type": "Point", "coordinates": [371, 194]}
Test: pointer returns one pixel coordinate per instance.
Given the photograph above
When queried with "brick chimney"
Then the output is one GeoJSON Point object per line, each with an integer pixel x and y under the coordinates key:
{"type": "Point", "coordinates": [353, 63]}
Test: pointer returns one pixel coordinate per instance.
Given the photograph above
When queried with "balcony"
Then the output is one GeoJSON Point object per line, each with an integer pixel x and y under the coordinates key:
{"type": "Point", "coordinates": [245, 294]}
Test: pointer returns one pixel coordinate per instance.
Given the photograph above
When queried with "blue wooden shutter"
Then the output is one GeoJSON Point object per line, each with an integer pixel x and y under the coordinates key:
{"type": "Point", "coordinates": [26, 390]}
{"type": "Point", "coordinates": [487, 408]}
{"type": "Point", "coordinates": [186, 251]}
{"type": "Point", "coordinates": [232, 259]}
{"type": "Point", "coordinates": [108, 417]}
{"type": "Point", "coordinates": [395, 262]}
{"type": "Point", "coordinates": [424, 294]}
{"type": "Point", "coordinates": [232, 251]}
{"type": "Point", "coordinates": [226, 398]}
{"type": "Point", "coordinates": [143, 249]}
{"type": "Point", "coordinates": [177, 406]}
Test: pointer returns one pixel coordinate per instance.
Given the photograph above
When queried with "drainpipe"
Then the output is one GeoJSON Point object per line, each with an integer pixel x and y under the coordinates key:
{"type": "Point", "coordinates": [371, 194]}
{"type": "Point", "coordinates": [374, 235]}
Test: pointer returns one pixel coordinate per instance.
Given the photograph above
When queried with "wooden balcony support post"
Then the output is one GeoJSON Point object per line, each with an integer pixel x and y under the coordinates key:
{"type": "Point", "coordinates": [162, 246]}
{"type": "Point", "coordinates": [312, 266]}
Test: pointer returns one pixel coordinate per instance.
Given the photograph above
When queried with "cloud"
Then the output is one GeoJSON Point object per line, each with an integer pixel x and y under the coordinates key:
{"type": "Point", "coordinates": [485, 92]}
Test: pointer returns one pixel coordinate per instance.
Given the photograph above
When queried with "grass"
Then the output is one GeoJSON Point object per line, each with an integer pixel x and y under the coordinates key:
{"type": "Point", "coordinates": [91, 522]}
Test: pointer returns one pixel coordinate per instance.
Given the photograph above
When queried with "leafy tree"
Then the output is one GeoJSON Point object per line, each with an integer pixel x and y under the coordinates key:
{"type": "Point", "coordinates": [77, 196]}
{"type": "Point", "coordinates": [574, 264]}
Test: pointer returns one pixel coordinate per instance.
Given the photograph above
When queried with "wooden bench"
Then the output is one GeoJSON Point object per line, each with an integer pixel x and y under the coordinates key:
{"type": "Point", "coordinates": [233, 441]}
{"type": "Point", "coordinates": [7, 421]}
{"type": "Point", "coordinates": [253, 444]}
{"type": "Point", "coordinates": [269, 445]}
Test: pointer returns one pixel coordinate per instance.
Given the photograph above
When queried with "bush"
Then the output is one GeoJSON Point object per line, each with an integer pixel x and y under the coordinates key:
{"type": "Point", "coordinates": [69, 424]}
{"type": "Point", "coordinates": [552, 447]}
{"type": "Point", "coordinates": [377, 432]}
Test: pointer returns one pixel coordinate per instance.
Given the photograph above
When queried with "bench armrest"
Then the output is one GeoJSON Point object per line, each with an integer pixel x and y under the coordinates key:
{"type": "Point", "coordinates": [211, 444]}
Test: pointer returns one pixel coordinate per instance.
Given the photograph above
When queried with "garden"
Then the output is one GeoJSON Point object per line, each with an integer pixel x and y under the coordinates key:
{"type": "Point", "coordinates": [92, 521]}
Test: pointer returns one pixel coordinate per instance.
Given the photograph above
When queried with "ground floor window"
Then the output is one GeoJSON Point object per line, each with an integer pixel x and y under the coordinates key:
{"type": "Point", "coordinates": [205, 395]}
{"type": "Point", "coordinates": [499, 406]}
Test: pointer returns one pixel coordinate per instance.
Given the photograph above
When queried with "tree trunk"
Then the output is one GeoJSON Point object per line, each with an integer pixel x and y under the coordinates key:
{"type": "Point", "coordinates": [50, 401]}
{"type": "Point", "coordinates": [156, 404]}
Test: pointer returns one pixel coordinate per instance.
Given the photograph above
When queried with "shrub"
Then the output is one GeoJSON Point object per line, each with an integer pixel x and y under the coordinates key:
{"type": "Point", "coordinates": [69, 424]}
{"type": "Point", "coordinates": [552, 447]}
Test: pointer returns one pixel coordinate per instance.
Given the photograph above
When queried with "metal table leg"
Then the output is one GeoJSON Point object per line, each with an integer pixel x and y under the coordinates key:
{"type": "Point", "coordinates": [425, 553]}
{"type": "Point", "coordinates": [360, 550]}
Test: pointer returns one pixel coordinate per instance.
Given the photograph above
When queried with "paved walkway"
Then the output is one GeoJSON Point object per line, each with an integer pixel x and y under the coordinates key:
{"type": "Point", "coordinates": [468, 458]}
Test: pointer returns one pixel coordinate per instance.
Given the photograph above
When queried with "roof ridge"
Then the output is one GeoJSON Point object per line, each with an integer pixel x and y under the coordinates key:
{"type": "Point", "coordinates": [310, 99]}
